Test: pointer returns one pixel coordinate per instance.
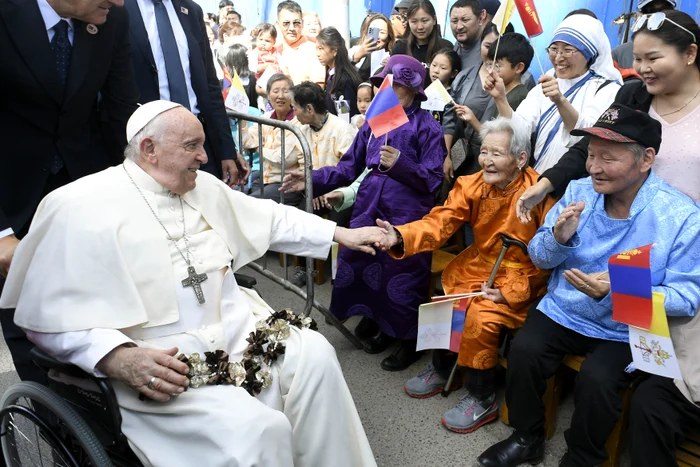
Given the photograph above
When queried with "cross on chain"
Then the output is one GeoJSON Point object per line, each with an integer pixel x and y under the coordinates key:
{"type": "Point", "coordinates": [193, 281]}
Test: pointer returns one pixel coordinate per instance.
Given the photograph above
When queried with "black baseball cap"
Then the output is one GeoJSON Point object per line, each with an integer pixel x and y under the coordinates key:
{"type": "Point", "coordinates": [401, 4]}
{"type": "Point", "coordinates": [622, 124]}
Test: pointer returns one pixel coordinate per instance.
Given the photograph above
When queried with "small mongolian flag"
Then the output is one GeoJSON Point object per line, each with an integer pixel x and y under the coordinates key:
{"type": "Point", "coordinates": [531, 20]}
{"type": "Point", "coordinates": [227, 82]}
{"type": "Point", "coordinates": [630, 284]}
{"type": "Point", "coordinates": [385, 113]}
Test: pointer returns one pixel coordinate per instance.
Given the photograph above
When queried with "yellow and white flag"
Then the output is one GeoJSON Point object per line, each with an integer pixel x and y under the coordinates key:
{"type": "Point", "coordinates": [502, 16]}
{"type": "Point", "coordinates": [237, 98]}
{"type": "Point", "coordinates": [437, 95]}
{"type": "Point", "coordinates": [652, 350]}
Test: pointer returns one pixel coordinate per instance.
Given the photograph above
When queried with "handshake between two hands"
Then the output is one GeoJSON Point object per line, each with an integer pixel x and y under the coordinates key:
{"type": "Point", "coordinates": [368, 239]}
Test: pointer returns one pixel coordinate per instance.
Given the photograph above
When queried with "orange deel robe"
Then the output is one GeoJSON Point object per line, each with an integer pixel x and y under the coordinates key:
{"type": "Point", "coordinates": [491, 212]}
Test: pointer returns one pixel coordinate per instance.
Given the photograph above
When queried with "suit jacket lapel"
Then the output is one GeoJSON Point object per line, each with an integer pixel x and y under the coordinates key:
{"type": "Point", "coordinates": [138, 31]}
{"type": "Point", "coordinates": [28, 31]}
{"type": "Point", "coordinates": [196, 60]}
{"type": "Point", "coordinates": [80, 57]}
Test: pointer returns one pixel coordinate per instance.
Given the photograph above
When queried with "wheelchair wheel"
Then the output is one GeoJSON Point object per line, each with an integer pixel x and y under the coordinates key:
{"type": "Point", "coordinates": [39, 428]}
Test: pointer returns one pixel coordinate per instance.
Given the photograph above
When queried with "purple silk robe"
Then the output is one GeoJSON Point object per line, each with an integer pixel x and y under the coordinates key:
{"type": "Point", "coordinates": [379, 287]}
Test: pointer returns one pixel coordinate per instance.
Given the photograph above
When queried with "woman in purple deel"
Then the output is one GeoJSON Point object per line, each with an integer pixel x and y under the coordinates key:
{"type": "Point", "coordinates": [399, 189]}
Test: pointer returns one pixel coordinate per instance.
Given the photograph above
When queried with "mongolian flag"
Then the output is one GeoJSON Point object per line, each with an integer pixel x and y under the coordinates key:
{"type": "Point", "coordinates": [227, 82]}
{"type": "Point", "coordinates": [630, 284]}
{"type": "Point", "coordinates": [531, 20]}
{"type": "Point", "coordinates": [385, 113]}
{"type": "Point", "coordinates": [459, 315]}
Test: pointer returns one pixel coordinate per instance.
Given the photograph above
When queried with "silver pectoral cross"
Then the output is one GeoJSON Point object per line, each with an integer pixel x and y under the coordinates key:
{"type": "Point", "coordinates": [193, 281]}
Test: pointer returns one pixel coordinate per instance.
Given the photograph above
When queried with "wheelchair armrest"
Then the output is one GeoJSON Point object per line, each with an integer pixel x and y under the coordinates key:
{"type": "Point", "coordinates": [245, 281]}
{"type": "Point", "coordinates": [46, 362]}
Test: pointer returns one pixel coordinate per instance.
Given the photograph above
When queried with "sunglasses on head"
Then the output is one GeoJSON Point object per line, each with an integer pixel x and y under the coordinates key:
{"type": "Point", "coordinates": [654, 21]}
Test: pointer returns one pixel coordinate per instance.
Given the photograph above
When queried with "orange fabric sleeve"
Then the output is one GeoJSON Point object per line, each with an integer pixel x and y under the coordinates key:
{"type": "Point", "coordinates": [522, 286]}
{"type": "Point", "coordinates": [436, 227]}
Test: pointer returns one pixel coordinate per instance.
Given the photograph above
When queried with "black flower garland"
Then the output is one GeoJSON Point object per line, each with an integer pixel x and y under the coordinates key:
{"type": "Point", "coordinates": [252, 373]}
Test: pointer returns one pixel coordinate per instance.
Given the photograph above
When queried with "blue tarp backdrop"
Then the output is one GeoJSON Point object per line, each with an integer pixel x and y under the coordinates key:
{"type": "Point", "coordinates": [551, 13]}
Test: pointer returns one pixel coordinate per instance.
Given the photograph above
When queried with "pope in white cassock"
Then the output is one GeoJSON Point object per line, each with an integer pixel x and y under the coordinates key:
{"type": "Point", "coordinates": [111, 277]}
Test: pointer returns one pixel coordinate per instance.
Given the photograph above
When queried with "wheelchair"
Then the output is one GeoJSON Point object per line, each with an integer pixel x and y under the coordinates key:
{"type": "Point", "coordinates": [74, 422]}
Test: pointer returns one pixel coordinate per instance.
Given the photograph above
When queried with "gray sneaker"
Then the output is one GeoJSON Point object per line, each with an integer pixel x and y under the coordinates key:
{"type": "Point", "coordinates": [470, 414]}
{"type": "Point", "coordinates": [426, 384]}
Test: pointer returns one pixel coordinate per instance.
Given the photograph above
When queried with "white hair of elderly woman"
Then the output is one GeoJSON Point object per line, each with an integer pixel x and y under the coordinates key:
{"type": "Point", "coordinates": [153, 129]}
{"type": "Point", "coordinates": [519, 136]}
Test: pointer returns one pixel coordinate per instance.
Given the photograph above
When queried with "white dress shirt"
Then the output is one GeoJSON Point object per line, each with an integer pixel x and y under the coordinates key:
{"type": "Point", "coordinates": [51, 19]}
{"type": "Point", "coordinates": [149, 21]}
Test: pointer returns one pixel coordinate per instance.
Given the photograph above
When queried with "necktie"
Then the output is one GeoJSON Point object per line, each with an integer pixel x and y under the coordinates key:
{"type": "Point", "coordinates": [60, 45]}
{"type": "Point", "coordinates": [173, 65]}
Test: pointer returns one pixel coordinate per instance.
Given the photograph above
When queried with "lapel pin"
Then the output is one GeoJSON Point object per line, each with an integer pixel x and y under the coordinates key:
{"type": "Point", "coordinates": [91, 28]}
{"type": "Point", "coordinates": [184, 10]}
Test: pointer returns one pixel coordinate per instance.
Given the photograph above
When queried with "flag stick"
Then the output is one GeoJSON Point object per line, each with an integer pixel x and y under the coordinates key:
{"type": "Point", "coordinates": [386, 139]}
{"type": "Point", "coordinates": [537, 57]}
{"type": "Point", "coordinates": [495, 53]}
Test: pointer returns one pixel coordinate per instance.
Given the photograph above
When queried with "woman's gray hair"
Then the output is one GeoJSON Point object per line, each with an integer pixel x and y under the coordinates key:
{"type": "Point", "coordinates": [153, 129]}
{"type": "Point", "coordinates": [278, 77]}
{"type": "Point", "coordinates": [519, 136]}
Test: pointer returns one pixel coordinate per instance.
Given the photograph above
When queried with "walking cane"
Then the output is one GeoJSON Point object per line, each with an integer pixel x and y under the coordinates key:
{"type": "Point", "coordinates": [507, 242]}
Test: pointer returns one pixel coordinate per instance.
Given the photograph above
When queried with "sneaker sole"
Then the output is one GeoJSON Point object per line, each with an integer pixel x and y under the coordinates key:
{"type": "Point", "coordinates": [435, 392]}
{"type": "Point", "coordinates": [489, 418]}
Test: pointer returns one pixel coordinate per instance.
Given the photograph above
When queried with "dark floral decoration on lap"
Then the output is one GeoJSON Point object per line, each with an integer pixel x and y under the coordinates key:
{"type": "Point", "coordinates": [252, 373]}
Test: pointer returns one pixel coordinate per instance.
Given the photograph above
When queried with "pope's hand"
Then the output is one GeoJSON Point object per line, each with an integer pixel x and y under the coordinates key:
{"type": "Point", "coordinates": [388, 156]}
{"type": "Point", "coordinates": [391, 237]}
{"type": "Point", "coordinates": [8, 245]}
{"type": "Point", "coordinates": [136, 367]}
{"type": "Point", "coordinates": [293, 181]}
{"type": "Point", "coordinates": [567, 222]}
{"type": "Point", "coordinates": [530, 198]}
{"type": "Point", "coordinates": [364, 239]}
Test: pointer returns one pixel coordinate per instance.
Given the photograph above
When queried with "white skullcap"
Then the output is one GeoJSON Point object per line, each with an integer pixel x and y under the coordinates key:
{"type": "Point", "coordinates": [145, 114]}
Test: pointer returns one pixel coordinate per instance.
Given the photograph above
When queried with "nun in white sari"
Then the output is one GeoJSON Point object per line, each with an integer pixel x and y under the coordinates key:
{"type": "Point", "coordinates": [580, 87]}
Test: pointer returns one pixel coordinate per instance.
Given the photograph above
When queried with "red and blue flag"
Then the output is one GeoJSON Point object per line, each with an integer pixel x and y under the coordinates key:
{"type": "Point", "coordinates": [630, 284]}
{"type": "Point", "coordinates": [227, 82]}
{"type": "Point", "coordinates": [385, 113]}
{"type": "Point", "coordinates": [459, 315]}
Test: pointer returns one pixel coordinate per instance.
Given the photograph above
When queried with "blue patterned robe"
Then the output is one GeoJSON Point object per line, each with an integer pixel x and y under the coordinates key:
{"type": "Point", "coordinates": [660, 214]}
{"type": "Point", "coordinates": [382, 288]}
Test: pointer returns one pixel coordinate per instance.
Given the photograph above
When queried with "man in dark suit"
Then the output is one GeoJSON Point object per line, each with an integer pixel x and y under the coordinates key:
{"type": "Point", "coordinates": [173, 61]}
{"type": "Point", "coordinates": [66, 92]}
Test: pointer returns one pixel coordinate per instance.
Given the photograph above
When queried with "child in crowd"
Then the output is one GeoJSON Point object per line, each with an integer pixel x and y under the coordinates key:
{"type": "Point", "coordinates": [342, 77]}
{"type": "Point", "coordinates": [365, 94]}
{"type": "Point", "coordinates": [265, 46]}
{"type": "Point", "coordinates": [514, 56]}
{"type": "Point", "coordinates": [237, 60]}
{"type": "Point", "coordinates": [445, 65]}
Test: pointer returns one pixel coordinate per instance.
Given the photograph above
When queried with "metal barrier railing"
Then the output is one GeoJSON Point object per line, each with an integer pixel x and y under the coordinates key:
{"type": "Point", "coordinates": [307, 295]}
